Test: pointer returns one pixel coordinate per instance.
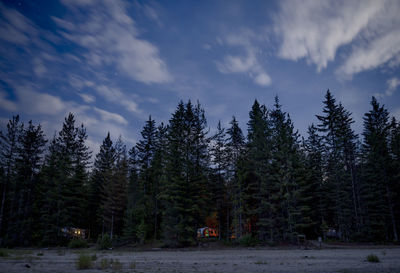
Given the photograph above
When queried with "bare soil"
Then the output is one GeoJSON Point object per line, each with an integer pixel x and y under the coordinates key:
{"type": "Point", "coordinates": [345, 259]}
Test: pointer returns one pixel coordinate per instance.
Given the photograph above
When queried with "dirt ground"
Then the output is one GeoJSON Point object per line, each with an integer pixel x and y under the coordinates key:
{"type": "Point", "coordinates": [344, 259]}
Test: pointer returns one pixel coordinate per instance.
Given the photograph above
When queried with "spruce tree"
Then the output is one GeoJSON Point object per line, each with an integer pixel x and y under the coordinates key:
{"type": "Point", "coordinates": [32, 142]}
{"type": "Point", "coordinates": [336, 132]}
{"type": "Point", "coordinates": [101, 181]}
{"type": "Point", "coordinates": [235, 148]}
{"type": "Point", "coordinates": [185, 194]}
{"type": "Point", "coordinates": [9, 143]}
{"type": "Point", "coordinates": [378, 186]}
{"type": "Point", "coordinates": [218, 185]}
{"type": "Point", "coordinates": [257, 202]}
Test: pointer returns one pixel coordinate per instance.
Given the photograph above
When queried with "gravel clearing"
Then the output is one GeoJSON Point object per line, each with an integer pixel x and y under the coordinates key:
{"type": "Point", "coordinates": [227, 260]}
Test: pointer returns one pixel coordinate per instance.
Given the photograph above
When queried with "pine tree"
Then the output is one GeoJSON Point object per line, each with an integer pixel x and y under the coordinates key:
{"type": "Point", "coordinates": [335, 127]}
{"type": "Point", "coordinates": [133, 196]}
{"type": "Point", "coordinates": [185, 194]}
{"type": "Point", "coordinates": [64, 178]}
{"type": "Point", "coordinates": [256, 199]}
{"type": "Point", "coordinates": [378, 186]}
{"type": "Point", "coordinates": [100, 182]}
{"type": "Point", "coordinates": [30, 151]}
{"type": "Point", "coordinates": [317, 188]}
{"type": "Point", "coordinates": [218, 187]}
{"type": "Point", "coordinates": [116, 193]}
{"type": "Point", "coordinates": [145, 206]}
{"type": "Point", "coordinates": [235, 148]}
{"type": "Point", "coordinates": [9, 153]}
{"type": "Point", "coordinates": [159, 175]}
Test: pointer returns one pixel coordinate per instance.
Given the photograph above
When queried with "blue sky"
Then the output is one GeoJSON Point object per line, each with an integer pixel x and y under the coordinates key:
{"type": "Point", "coordinates": [113, 63]}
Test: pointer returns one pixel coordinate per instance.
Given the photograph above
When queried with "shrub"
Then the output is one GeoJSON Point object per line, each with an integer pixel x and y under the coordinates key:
{"type": "Point", "coordinates": [77, 243]}
{"type": "Point", "coordinates": [248, 240]}
{"type": "Point", "coordinates": [84, 261]}
{"type": "Point", "coordinates": [372, 258]}
{"type": "Point", "coordinates": [104, 242]}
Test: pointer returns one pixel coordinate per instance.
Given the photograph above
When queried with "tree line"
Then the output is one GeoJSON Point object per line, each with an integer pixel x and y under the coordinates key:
{"type": "Point", "coordinates": [271, 185]}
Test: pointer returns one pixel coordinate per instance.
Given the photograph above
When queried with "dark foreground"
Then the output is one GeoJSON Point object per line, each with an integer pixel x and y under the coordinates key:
{"type": "Point", "coordinates": [228, 260]}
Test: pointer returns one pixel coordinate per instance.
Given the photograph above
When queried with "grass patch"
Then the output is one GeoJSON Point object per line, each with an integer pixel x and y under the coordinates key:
{"type": "Point", "coordinates": [40, 254]}
{"type": "Point", "coordinates": [77, 243]}
{"type": "Point", "coordinates": [372, 258]}
{"type": "Point", "coordinates": [84, 261]}
{"type": "Point", "coordinates": [132, 265]}
{"type": "Point", "coordinates": [3, 252]}
{"type": "Point", "coordinates": [261, 262]}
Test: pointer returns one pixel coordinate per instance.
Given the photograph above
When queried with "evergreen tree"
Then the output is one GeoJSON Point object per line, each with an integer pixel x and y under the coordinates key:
{"type": "Point", "coordinates": [336, 132]}
{"type": "Point", "coordinates": [100, 182]}
{"type": "Point", "coordinates": [145, 206]}
{"type": "Point", "coordinates": [65, 177]}
{"type": "Point", "coordinates": [235, 148]}
{"type": "Point", "coordinates": [255, 175]}
{"type": "Point", "coordinates": [314, 164]}
{"type": "Point", "coordinates": [378, 186]}
{"type": "Point", "coordinates": [185, 194]}
{"type": "Point", "coordinates": [218, 186]}
{"type": "Point", "coordinates": [32, 142]}
{"type": "Point", "coordinates": [9, 143]}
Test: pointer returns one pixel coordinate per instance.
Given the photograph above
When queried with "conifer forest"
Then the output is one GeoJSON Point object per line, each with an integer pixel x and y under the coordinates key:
{"type": "Point", "coordinates": [261, 179]}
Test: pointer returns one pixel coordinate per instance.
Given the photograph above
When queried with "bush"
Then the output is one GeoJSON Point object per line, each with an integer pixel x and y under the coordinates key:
{"type": "Point", "coordinates": [84, 261]}
{"type": "Point", "coordinates": [104, 242]}
{"type": "Point", "coordinates": [248, 240]}
{"type": "Point", "coordinates": [372, 258]}
{"type": "Point", "coordinates": [77, 243]}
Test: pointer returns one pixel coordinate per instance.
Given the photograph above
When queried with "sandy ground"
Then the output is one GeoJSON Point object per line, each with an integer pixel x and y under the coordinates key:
{"type": "Point", "coordinates": [229, 260]}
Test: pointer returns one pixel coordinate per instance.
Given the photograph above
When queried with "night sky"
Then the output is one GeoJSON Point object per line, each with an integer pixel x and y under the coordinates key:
{"type": "Point", "coordinates": [113, 63]}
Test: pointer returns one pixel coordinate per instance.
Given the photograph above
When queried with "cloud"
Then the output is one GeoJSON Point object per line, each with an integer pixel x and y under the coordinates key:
{"type": "Point", "coordinates": [87, 98]}
{"type": "Point", "coordinates": [315, 30]}
{"type": "Point", "coordinates": [110, 37]}
{"type": "Point", "coordinates": [392, 85]}
{"type": "Point", "coordinates": [116, 96]}
{"type": "Point", "coordinates": [14, 27]}
{"type": "Point", "coordinates": [108, 116]}
{"type": "Point", "coordinates": [245, 64]}
{"type": "Point", "coordinates": [378, 52]}
{"type": "Point", "coordinates": [39, 103]}
{"type": "Point", "coordinates": [5, 103]}
{"type": "Point", "coordinates": [111, 94]}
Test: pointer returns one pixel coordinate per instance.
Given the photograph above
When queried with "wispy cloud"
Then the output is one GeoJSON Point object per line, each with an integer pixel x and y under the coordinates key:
{"type": "Point", "coordinates": [110, 37]}
{"type": "Point", "coordinates": [392, 85]}
{"type": "Point", "coordinates": [14, 27]}
{"type": "Point", "coordinates": [108, 116]}
{"type": "Point", "coordinates": [382, 49]}
{"type": "Point", "coordinates": [246, 63]}
{"type": "Point", "coordinates": [6, 103]}
{"type": "Point", "coordinates": [315, 30]}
